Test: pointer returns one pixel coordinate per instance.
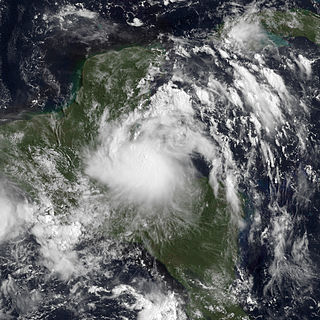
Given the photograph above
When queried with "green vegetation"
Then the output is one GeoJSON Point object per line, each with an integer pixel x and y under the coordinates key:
{"type": "Point", "coordinates": [203, 259]}
{"type": "Point", "coordinates": [43, 155]}
{"type": "Point", "coordinates": [294, 23]}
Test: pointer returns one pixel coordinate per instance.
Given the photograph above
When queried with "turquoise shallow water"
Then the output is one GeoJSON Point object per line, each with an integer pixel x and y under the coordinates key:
{"type": "Point", "coordinates": [277, 40]}
{"type": "Point", "coordinates": [178, 183]}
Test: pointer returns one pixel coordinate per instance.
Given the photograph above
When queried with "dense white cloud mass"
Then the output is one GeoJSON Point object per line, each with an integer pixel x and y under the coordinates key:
{"type": "Point", "coordinates": [14, 212]}
{"type": "Point", "coordinates": [146, 159]}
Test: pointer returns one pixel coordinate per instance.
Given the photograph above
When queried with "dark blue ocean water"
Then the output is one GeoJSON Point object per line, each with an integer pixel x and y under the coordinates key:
{"type": "Point", "coordinates": [37, 62]}
{"type": "Point", "coordinates": [38, 67]}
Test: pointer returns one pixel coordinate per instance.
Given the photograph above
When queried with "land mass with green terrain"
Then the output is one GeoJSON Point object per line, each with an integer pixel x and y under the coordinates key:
{"type": "Point", "coordinates": [292, 23]}
{"type": "Point", "coordinates": [43, 155]}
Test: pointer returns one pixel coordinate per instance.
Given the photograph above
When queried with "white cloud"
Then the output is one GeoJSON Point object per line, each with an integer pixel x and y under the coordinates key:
{"type": "Point", "coordinates": [14, 212]}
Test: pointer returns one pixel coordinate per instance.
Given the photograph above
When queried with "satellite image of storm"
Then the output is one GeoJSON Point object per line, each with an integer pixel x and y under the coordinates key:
{"type": "Point", "coordinates": [160, 159]}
